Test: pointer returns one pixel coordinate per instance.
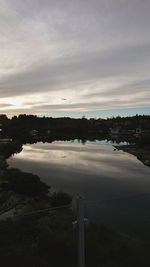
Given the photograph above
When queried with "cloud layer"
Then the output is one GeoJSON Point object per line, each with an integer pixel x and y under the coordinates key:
{"type": "Point", "coordinates": [66, 55]}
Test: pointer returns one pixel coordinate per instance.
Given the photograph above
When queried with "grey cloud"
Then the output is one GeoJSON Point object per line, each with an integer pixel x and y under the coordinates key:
{"type": "Point", "coordinates": [92, 41]}
{"type": "Point", "coordinates": [79, 107]}
{"type": "Point", "coordinates": [113, 103]}
{"type": "Point", "coordinates": [87, 66]}
{"type": "Point", "coordinates": [136, 87]}
{"type": "Point", "coordinates": [5, 105]}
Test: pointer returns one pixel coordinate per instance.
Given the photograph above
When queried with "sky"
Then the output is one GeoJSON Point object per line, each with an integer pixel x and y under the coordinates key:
{"type": "Point", "coordinates": [75, 57]}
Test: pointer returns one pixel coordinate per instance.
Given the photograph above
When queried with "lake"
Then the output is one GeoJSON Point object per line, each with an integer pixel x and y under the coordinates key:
{"type": "Point", "coordinates": [115, 184]}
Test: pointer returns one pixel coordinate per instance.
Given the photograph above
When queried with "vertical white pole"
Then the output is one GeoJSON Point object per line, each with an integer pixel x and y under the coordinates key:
{"type": "Point", "coordinates": [81, 241]}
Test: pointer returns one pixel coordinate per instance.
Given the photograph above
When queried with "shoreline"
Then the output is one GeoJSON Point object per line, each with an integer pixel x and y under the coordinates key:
{"type": "Point", "coordinates": [142, 153]}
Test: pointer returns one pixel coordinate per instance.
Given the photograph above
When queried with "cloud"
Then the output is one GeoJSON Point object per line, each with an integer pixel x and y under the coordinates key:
{"type": "Point", "coordinates": [94, 54]}
{"type": "Point", "coordinates": [5, 105]}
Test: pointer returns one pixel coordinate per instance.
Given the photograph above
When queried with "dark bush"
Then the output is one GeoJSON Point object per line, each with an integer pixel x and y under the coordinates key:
{"type": "Point", "coordinates": [60, 199]}
{"type": "Point", "coordinates": [24, 183]}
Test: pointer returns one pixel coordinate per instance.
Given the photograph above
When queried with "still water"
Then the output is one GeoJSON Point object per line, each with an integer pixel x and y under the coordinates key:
{"type": "Point", "coordinates": [116, 185]}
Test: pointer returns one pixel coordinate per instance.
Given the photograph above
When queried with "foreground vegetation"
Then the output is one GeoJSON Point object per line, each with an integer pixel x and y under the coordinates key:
{"type": "Point", "coordinates": [49, 240]}
{"type": "Point", "coordinates": [38, 235]}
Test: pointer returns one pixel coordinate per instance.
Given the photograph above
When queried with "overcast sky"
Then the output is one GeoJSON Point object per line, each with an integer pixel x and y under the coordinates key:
{"type": "Point", "coordinates": [74, 57]}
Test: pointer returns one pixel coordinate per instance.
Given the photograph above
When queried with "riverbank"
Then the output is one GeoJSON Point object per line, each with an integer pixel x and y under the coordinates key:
{"type": "Point", "coordinates": [22, 191]}
{"type": "Point", "coordinates": [141, 152]}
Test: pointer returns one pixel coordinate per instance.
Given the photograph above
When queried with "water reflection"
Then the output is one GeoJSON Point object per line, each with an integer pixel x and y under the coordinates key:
{"type": "Point", "coordinates": [94, 170]}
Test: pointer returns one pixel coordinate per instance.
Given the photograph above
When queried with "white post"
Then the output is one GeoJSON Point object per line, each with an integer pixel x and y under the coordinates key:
{"type": "Point", "coordinates": [81, 241]}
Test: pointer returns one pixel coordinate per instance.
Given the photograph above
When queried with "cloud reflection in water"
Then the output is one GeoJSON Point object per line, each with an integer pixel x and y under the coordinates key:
{"type": "Point", "coordinates": [94, 170]}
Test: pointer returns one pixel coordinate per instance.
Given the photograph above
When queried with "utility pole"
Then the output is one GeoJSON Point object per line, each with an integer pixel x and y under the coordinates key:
{"type": "Point", "coordinates": [80, 226]}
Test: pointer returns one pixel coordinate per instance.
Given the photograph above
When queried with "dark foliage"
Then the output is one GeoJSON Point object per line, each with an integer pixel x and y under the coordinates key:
{"type": "Point", "coordinates": [23, 183]}
{"type": "Point", "coordinates": [46, 241]}
{"type": "Point", "coordinates": [60, 199]}
{"type": "Point", "coordinates": [20, 127]}
{"type": "Point", "coordinates": [51, 241]}
{"type": "Point", "coordinates": [8, 149]}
